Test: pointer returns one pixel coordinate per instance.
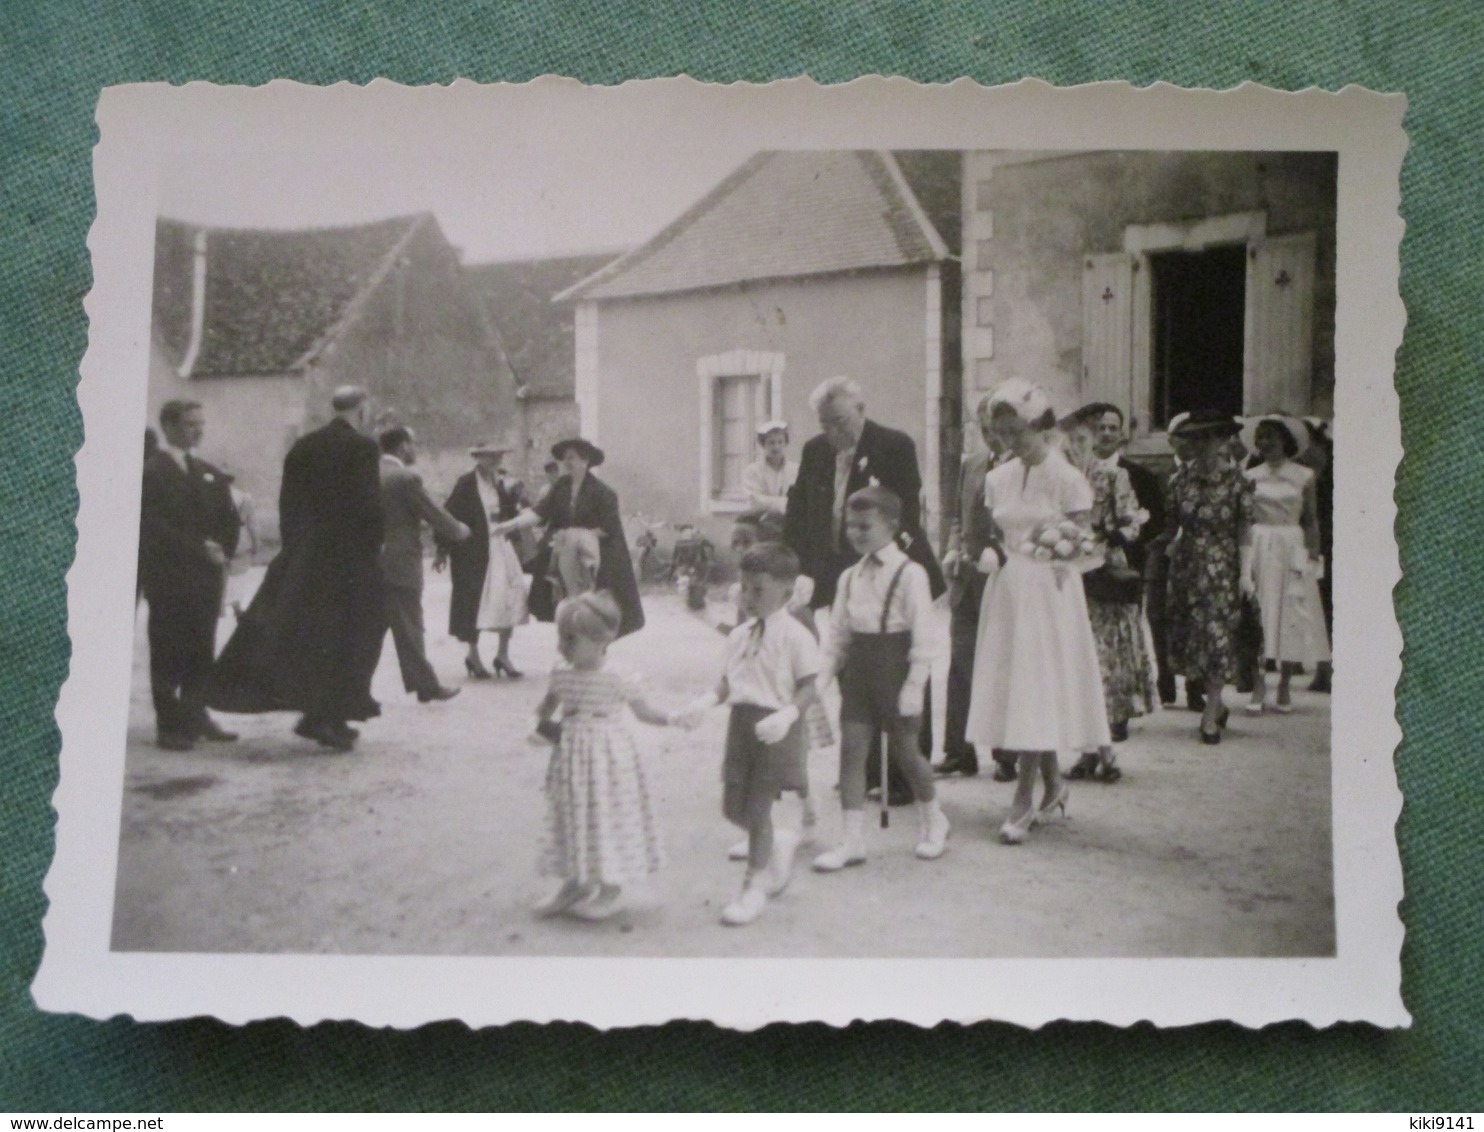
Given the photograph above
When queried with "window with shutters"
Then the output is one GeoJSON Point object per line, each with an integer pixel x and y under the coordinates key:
{"type": "Point", "coordinates": [738, 409]}
{"type": "Point", "coordinates": [1210, 313]}
{"type": "Point", "coordinates": [737, 392]}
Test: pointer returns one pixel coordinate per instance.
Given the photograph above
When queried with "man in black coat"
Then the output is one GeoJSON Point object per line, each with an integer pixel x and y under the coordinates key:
{"type": "Point", "coordinates": [971, 533]}
{"type": "Point", "coordinates": [311, 639]}
{"type": "Point", "coordinates": [850, 453]}
{"type": "Point", "coordinates": [1107, 445]}
{"type": "Point", "coordinates": [188, 530]}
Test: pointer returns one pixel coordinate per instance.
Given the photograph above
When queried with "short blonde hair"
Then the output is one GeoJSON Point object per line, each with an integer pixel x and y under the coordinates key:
{"type": "Point", "coordinates": [594, 616]}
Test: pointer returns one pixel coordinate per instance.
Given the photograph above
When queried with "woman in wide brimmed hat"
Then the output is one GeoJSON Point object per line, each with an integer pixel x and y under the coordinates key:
{"type": "Point", "coordinates": [767, 479]}
{"type": "Point", "coordinates": [488, 585]}
{"type": "Point", "coordinates": [1210, 508]}
{"type": "Point", "coordinates": [1285, 555]}
{"type": "Point", "coordinates": [579, 501]}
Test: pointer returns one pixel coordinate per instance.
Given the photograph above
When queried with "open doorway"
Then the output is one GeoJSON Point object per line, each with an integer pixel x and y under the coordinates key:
{"type": "Point", "coordinates": [1199, 301]}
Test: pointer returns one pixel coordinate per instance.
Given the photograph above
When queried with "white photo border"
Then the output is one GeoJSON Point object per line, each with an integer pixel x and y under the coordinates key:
{"type": "Point", "coordinates": [1362, 982]}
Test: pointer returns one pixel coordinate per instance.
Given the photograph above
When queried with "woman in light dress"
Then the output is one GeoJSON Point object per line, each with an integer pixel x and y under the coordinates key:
{"type": "Point", "coordinates": [489, 594]}
{"type": "Point", "coordinates": [1285, 558]}
{"type": "Point", "coordinates": [767, 479]}
{"type": "Point", "coordinates": [1037, 687]}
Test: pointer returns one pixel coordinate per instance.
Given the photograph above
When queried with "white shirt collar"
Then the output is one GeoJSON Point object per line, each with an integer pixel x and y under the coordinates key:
{"type": "Point", "coordinates": [394, 459]}
{"type": "Point", "coordinates": [179, 455]}
{"type": "Point", "coordinates": [888, 556]}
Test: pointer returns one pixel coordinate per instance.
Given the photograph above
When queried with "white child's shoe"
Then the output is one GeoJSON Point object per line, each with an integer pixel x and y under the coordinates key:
{"type": "Point", "coordinates": [747, 907]}
{"type": "Point", "coordinates": [850, 851]}
{"type": "Point", "coordinates": [780, 868]}
{"type": "Point", "coordinates": [571, 892]}
{"type": "Point", "coordinates": [603, 904]}
{"type": "Point", "coordinates": [738, 852]}
{"type": "Point", "coordinates": [934, 837]}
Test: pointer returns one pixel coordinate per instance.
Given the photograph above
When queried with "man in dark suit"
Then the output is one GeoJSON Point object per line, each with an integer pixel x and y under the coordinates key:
{"type": "Point", "coordinates": [1109, 438]}
{"type": "Point", "coordinates": [188, 530]}
{"type": "Point", "coordinates": [971, 534]}
{"type": "Point", "coordinates": [311, 639]}
{"type": "Point", "coordinates": [405, 507]}
{"type": "Point", "coordinates": [850, 453]}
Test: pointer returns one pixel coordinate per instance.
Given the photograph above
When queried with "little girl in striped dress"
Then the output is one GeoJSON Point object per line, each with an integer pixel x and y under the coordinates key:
{"type": "Point", "coordinates": [601, 829]}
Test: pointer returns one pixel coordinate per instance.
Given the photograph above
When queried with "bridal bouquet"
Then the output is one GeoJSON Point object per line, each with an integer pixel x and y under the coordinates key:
{"type": "Point", "coordinates": [1059, 542]}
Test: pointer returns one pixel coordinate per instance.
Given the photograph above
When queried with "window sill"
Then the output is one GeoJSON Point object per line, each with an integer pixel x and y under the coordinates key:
{"type": "Point", "coordinates": [727, 506]}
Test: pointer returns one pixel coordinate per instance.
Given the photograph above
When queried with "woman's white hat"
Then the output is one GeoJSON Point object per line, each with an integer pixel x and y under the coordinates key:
{"type": "Point", "coordinates": [1291, 425]}
{"type": "Point", "coordinates": [1027, 399]}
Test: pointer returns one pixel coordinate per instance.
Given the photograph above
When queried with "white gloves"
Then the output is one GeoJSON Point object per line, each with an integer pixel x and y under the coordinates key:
{"type": "Point", "coordinates": [909, 700]}
{"type": "Point", "coordinates": [690, 715]}
{"type": "Point", "coordinates": [772, 728]}
{"type": "Point", "coordinates": [989, 562]}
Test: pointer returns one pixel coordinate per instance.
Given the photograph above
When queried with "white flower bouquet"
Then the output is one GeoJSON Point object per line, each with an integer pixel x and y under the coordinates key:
{"type": "Point", "coordinates": [1068, 547]}
{"type": "Point", "coordinates": [1060, 542]}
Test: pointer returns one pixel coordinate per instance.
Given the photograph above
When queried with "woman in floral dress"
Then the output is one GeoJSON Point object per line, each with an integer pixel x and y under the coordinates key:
{"type": "Point", "coordinates": [1210, 561]}
{"type": "Point", "coordinates": [1125, 649]}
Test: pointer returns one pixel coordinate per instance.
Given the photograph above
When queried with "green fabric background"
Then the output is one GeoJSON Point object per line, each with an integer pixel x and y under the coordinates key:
{"type": "Point", "coordinates": [54, 58]}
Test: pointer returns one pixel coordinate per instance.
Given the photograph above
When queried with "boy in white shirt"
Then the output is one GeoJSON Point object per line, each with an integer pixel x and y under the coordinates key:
{"type": "Point", "coordinates": [768, 682]}
{"type": "Point", "coordinates": [880, 647]}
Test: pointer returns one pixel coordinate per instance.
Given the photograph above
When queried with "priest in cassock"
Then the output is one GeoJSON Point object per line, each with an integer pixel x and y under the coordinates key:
{"type": "Point", "coordinates": [311, 639]}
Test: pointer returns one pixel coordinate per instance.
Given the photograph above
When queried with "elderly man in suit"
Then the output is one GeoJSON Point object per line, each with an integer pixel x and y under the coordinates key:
{"type": "Point", "coordinates": [405, 507]}
{"type": "Point", "coordinates": [971, 535]}
{"type": "Point", "coordinates": [852, 452]}
{"type": "Point", "coordinates": [188, 529]}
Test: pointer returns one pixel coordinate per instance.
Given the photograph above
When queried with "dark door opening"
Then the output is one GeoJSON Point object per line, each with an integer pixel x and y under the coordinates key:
{"type": "Point", "coordinates": [1200, 301]}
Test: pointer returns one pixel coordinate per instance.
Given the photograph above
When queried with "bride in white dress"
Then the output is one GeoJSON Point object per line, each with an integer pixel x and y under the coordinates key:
{"type": "Point", "coordinates": [1037, 686]}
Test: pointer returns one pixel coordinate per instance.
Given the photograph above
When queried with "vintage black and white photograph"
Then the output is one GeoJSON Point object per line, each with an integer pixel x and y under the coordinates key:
{"type": "Point", "coordinates": [629, 525]}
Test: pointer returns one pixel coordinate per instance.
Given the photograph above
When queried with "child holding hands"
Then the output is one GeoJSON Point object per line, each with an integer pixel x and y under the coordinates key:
{"type": "Point", "coordinates": [880, 647]}
{"type": "Point", "coordinates": [601, 828]}
{"type": "Point", "coordinates": [768, 682]}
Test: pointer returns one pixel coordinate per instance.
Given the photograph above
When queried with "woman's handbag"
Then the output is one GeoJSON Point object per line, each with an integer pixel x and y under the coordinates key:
{"type": "Point", "coordinates": [1112, 584]}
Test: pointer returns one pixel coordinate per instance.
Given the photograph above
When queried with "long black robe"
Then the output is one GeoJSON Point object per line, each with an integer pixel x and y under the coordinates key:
{"type": "Point", "coordinates": [595, 507]}
{"type": "Point", "coordinates": [311, 639]}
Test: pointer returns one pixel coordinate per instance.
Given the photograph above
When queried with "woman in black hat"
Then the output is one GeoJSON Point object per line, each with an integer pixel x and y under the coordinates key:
{"type": "Point", "coordinates": [1210, 561]}
{"type": "Point", "coordinates": [579, 500]}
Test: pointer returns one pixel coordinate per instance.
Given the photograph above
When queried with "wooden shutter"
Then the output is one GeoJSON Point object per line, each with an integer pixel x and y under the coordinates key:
{"type": "Point", "coordinates": [1107, 324]}
{"type": "Point", "coordinates": [1279, 355]}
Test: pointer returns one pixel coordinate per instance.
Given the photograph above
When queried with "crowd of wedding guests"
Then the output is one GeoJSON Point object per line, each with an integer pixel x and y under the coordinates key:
{"type": "Point", "coordinates": [1079, 587]}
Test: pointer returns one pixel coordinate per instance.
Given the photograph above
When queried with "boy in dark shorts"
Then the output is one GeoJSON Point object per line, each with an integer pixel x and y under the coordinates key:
{"type": "Point", "coordinates": [881, 648]}
{"type": "Point", "coordinates": [768, 682]}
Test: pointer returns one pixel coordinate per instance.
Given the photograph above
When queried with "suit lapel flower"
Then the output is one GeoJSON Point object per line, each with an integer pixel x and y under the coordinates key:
{"type": "Point", "coordinates": [860, 465]}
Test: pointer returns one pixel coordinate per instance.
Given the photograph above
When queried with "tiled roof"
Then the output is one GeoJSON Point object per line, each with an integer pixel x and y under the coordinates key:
{"type": "Point", "coordinates": [536, 334]}
{"type": "Point", "coordinates": [273, 298]}
{"type": "Point", "coordinates": [781, 214]}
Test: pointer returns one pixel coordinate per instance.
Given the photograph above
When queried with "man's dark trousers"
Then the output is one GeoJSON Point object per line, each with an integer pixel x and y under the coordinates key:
{"type": "Point", "coordinates": [404, 614]}
{"type": "Point", "coordinates": [182, 645]}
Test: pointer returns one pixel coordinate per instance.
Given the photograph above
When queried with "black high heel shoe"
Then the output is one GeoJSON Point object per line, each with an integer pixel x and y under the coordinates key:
{"type": "Point", "coordinates": [505, 668]}
{"type": "Point", "coordinates": [477, 670]}
{"type": "Point", "coordinates": [1211, 738]}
